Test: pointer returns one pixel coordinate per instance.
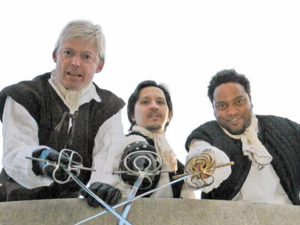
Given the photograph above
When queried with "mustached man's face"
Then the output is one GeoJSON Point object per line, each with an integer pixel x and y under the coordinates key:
{"type": "Point", "coordinates": [232, 107]}
{"type": "Point", "coordinates": [151, 110]}
{"type": "Point", "coordinates": [76, 61]}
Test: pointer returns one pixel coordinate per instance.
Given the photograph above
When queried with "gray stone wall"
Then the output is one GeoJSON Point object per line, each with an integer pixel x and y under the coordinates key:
{"type": "Point", "coordinates": [150, 211]}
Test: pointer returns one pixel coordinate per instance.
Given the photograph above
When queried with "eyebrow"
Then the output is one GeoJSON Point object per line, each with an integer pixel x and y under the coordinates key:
{"type": "Point", "coordinates": [219, 102]}
{"type": "Point", "coordinates": [238, 97]}
{"type": "Point", "coordinates": [70, 48]}
{"type": "Point", "coordinates": [143, 97]}
{"type": "Point", "coordinates": [157, 98]}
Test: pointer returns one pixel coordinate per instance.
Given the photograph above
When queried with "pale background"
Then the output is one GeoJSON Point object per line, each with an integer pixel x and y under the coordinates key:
{"type": "Point", "coordinates": [180, 43]}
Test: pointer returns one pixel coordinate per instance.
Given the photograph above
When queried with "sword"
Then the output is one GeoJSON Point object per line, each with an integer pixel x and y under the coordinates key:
{"type": "Point", "coordinates": [151, 165]}
{"type": "Point", "coordinates": [195, 173]}
{"type": "Point", "coordinates": [76, 168]}
{"type": "Point", "coordinates": [72, 165]}
{"type": "Point", "coordinates": [137, 197]}
{"type": "Point", "coordinates": [132, 194]}
{"type": "Point", "coordinates": [108, 207]}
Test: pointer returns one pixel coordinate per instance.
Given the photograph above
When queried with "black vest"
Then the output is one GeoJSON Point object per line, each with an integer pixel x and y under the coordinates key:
{"type": "Point", "coordinates": [176, 187]}
{"type": "Point", "coordinates": [52, 117]}
{"type": "Point", "coordinates": [280, 136]}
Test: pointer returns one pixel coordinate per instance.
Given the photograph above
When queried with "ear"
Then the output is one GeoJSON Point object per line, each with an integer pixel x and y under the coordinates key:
{"type": "Point", "coordinates": [170, 116]}
{"type": "Point", "coordinates": [100, 66]}
{"type": "Point", "coordinates": [132, 118]}
{"type": "Point", "coordinates": [214, 109]}
{"type": "Point", "coordinates": [54, 56]}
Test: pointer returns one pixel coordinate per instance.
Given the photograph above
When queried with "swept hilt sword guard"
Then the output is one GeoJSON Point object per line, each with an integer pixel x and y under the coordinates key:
{"type": "Point", "coordinates": [202, 167]}
{"type": "Point", "coordinates": [74, 164]}
{"type": "Point", "coordinates": [150, 169]}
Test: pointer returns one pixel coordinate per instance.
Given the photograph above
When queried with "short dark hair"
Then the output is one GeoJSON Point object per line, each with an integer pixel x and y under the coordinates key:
{"type": "Point", "coordinates": [226, 76]}
{"type": "Point", "coordinates": [135, 96]}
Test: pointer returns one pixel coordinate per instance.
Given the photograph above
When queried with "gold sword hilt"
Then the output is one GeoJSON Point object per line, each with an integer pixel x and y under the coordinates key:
{"type": "Point", "coordinates": [200, 171]}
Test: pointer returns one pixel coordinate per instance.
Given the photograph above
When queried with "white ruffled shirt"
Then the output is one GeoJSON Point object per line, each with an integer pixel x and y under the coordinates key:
{"type": "Point", "coordinates": [262, 184]}
{"type": "Point", "coordinates": [20, 138]}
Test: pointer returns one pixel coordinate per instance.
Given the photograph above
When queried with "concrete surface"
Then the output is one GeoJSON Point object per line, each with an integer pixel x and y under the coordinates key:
{"type": "Point", "coordinates": [150, 211]}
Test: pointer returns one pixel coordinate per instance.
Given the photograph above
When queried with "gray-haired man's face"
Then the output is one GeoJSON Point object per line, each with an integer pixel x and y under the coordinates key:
{"type": "Point", "coordinates": [77, 61]}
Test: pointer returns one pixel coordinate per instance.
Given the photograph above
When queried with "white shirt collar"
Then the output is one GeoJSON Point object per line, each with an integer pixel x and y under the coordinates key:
{"type": "Point", "coordinates": [74, 99]}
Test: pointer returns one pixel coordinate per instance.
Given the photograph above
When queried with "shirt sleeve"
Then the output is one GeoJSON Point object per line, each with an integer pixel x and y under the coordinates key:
{"type": "Point", "coordinates": [220, 174]}
{"type": "Point", "coordinates": [187, 192]}
{"type": "Point", "coordinates": [20, 139]}
{"type": "Point", "coordinates": [107, 152]}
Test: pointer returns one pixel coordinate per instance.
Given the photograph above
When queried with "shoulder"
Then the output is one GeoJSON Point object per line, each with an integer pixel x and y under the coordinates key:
{"type": "Point", "coordinates": [135, 135]}
{"type": "Point", "coordinates": [130, 138]}
{"type": "Point", "coordinates": [26, 93]}
{"type": "Point", "coordinates": [277, 122]}
{"type": "Point", "coordinates": [109, 98]}
{"type": "Point", "coordinates": [36, 83]}
{"type": "Point", "coordinates": [204, 132]}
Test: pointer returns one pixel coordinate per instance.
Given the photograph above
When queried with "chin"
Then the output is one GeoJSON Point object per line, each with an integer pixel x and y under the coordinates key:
{"type": "Point", "coordinates": [73, 87]}
{"type": "Point", "coordinates": [235, 131]}
{"type": "Point", "coordinates": [153, 127]}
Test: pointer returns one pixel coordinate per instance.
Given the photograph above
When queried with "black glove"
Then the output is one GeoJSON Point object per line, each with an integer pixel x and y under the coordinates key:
{"type": "Point", "coordinates": [146, 162]}
{"type": "Point", "coordinates": [42, 168]}
{"type": "Point", "coordinates": [106, 192]}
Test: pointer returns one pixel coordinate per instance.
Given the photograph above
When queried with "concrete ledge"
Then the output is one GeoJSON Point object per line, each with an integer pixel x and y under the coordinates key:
{"type": "Point", "coordinates": [150, 211]}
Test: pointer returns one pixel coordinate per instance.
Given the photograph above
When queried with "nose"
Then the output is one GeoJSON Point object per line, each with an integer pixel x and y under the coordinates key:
{"type": "Point", "coordinates": [232, 110]}
{"type": "Point", "coordinates": [153, 105]}
{"type": "Point", "coordinates": [75, 61]}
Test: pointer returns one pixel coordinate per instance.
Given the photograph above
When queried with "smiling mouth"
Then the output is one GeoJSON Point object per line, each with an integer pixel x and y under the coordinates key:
{"type": "Point", "coordinates": [234, 121]}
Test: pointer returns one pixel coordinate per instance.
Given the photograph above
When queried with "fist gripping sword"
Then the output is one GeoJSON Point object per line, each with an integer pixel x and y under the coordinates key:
{"type": "Point", "coordinates": [72, 169]}
{"type": "Point", "coordinates": [201, 167]}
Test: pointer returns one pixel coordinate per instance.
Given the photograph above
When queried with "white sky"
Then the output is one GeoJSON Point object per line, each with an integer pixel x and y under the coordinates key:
{"type": "Point", "coordinates": [180, 43]}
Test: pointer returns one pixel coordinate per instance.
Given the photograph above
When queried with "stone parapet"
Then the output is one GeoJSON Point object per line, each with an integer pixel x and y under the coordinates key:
{"type": "Point", "coordinates": [149, 211]}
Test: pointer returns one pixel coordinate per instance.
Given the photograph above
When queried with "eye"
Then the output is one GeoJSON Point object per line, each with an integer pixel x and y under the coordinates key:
{"type": "Point", "coordinates": [86, 56]}
{"type": "Point", "coordinates": [220, 106]}
{"type": "Point", "coordinates": [161, 102]}
{"type": "Point", "coordinates": [240, 101]}
{"type": "Point", "coordinates": [144, 102]}
{"type": "Point", "coordinates": [68, 52]}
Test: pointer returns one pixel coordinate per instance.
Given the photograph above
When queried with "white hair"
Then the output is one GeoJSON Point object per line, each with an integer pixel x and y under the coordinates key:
{"type": "Point", "coordinates": [86, 30]}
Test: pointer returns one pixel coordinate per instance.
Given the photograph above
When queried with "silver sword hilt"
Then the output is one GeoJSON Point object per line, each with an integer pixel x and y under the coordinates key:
{"type": "Point", "coordinates": [74, 164]}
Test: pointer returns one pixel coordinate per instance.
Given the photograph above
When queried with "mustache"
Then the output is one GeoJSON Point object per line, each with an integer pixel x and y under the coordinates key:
{"type": "Point", "coordinates": [153, 113]}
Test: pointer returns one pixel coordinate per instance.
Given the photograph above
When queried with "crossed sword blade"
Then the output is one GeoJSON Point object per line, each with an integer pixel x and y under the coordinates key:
{"type": "Point", "coordinates": [135, 198]}
{"type": "Point", "coordinates": [132, 194]}
{"type": "Point", "coordinates": [108, 207]}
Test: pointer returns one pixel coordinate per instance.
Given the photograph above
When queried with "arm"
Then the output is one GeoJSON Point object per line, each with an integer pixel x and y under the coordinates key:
{"type": "Point", "coordinates": [188, 192]}
{"type": "Point", "coordinates": [107, 152]}
{"type": "Point", "coordinates": [220, 174]}
{"type": "Point", "coordinates": [108, 149]}
{"type": "Point", "coordinates": [20, 139]}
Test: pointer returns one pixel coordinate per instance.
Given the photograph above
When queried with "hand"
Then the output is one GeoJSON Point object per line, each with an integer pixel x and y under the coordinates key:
{"type": "Point", "coordinates": [47, 169]}
{"type": "Point", "coordinates": [106, 192]}
{"type": "Point", "coordinates": [203, 166]}
{"type": "Point", "coordinates": [135, 160]}
{"type": "Point", "coordinates": [139, 161]}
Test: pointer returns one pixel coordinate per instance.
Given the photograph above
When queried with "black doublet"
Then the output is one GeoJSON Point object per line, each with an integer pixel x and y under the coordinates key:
{"type": "Point", "coordinates": [280, 136]}
{"type": "Point", "coordinates": [52, 117]}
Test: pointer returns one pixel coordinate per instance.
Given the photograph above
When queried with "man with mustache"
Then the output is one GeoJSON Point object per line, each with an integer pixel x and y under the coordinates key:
{"type": "Point", "coordinates": [57, 110]}
{"type": "Point", "coordinates": [149, 111]}
{"type": "Point", "coordinates": [265, 149]}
